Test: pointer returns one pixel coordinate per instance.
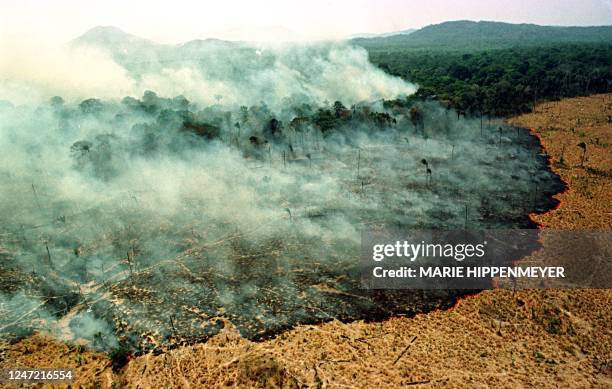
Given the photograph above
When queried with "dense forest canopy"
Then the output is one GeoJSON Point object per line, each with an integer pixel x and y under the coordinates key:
{"type": "Point", "coordinates": [498, 69]}
{"type": "Point", "coordinates": [503, 82]}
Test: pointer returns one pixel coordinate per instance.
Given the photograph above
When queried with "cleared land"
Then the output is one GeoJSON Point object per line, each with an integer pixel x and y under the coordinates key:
{"type": "Point", "coordinates": [548, 338]}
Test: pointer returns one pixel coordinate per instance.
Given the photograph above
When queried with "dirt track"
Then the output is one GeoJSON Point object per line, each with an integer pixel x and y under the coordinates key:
{"type": "Point", "coordinates": [549, 338]}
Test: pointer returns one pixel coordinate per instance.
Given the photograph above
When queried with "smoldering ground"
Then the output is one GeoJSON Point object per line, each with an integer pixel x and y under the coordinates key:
{"type": "Point", "coordinates": [145, 220]}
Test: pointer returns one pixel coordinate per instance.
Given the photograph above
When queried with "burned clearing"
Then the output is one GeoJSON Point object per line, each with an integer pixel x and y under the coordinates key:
{"type": "Point", "coordinates": [150, 222]}
{"type": "Point", "coordinates": [147, 221]}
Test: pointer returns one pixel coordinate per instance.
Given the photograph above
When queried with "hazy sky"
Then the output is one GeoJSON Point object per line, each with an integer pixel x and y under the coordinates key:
{"type": "Point", "coordinates": [179, 20]}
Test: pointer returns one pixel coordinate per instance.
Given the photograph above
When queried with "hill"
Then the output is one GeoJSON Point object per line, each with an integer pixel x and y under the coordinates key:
{"type": "Point", "coordinates": [113, 39]}
{"type": "Point", "coordinates": [137, 54]}
{"type": "Point", "coordinates": [469, 35]}
{"type": "Point", "coordinates": [382, 35]}
{"type": "Point", "coordinates": [498, 69]}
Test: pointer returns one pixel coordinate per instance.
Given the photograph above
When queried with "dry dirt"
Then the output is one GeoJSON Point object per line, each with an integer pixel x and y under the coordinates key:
{"type": "Point", "coordinates": [500, 338]}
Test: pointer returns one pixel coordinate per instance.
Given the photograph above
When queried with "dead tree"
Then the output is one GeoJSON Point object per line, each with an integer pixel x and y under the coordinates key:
{"type": "Point", "coordinates": [49, 256]}
{"type": "Point", "coordinates": [36, 197]}
{"type": "Point", "coordinates": [172, 324]}
{"type": "Point", "coordinates": [358, 161]}
{"type": "Point", "coordinates": [427, 170]}
{"type": "Point", "coordinates": [562, 158]}
{"type": "Point", "coordinates": [270, 154]}
{"type": "Point", "coordinates": [289, 212]}
{"type": "Point", "coordinates": [583, 146]}
{"type": "Point", "coordinates": [130, 260]}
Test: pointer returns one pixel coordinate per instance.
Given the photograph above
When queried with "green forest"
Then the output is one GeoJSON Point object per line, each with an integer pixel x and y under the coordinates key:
{"type": "Point", "coordinates": [499, 69]}
{"type": "Point", "coordinates": [505, 81]}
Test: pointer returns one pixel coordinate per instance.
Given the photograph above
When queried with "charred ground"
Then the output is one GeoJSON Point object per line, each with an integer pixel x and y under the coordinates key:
{"type": "Point", "coordinates": [179, 217]}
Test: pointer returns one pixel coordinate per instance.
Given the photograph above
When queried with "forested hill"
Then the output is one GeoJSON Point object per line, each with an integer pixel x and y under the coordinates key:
{"type": "Point", "coordinates": [469, 35]}
{"type": "Point", "coordinates": [499, 69]}
{"type": "Point", "coordinates": [505, 81]}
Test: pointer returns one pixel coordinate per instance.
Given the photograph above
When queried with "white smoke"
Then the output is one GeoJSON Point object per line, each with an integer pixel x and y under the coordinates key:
{"type": "Point", "coordinates": [32, 74]}
{"type": "Point", "coordinates": [209, 73]}
{"type": "Point", "coordinates": [154, 214]}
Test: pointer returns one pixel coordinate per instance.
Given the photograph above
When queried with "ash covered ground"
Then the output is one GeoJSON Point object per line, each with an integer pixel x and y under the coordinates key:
{"type": "Point", "coordinates": [146, 221]}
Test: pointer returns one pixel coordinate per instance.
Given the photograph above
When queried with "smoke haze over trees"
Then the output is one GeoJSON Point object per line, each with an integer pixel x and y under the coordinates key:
{"type": "Point", "coordinates": [221, 180]}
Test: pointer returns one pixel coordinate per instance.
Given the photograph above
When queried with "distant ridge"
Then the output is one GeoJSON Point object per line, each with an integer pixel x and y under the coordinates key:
{"type": "Point", "coordinates": [126, 48]}
{"type": "Point", "coordinates": [456, 35]}
{"type": "Point", "coordinates": [466, 34]}
{"type": "Point", "coordinates": [368, 35]}
{"type": "Point", "coordinates": [109, 35]}
{"type": "Point", "coordinates": [114, 38]}
{"type": "Point", "coordinates": [117, 42]}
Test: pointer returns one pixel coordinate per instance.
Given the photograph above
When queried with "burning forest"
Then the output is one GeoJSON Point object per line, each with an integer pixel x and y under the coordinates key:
{"type": "Point", "coordinates": [229, 183]}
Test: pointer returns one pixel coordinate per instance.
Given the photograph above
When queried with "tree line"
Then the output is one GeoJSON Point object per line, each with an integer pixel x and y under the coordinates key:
{"type": "Point", "coordinates": [505, 81]}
